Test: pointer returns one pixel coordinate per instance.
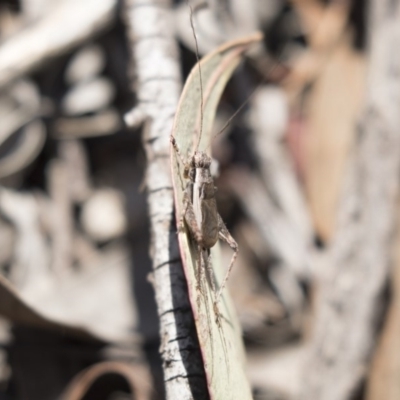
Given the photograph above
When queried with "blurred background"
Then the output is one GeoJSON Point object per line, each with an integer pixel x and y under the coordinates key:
{"type": "Point", "coordinates": [307, 185]}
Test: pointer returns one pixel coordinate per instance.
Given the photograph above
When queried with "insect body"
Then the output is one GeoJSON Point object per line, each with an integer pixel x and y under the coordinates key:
{"type": "Point", "coordinates": [202, 226]}
{"type": "Point", "coordinates": [201, 195]}
{"type": "Point", "coordinates": [200, 211]}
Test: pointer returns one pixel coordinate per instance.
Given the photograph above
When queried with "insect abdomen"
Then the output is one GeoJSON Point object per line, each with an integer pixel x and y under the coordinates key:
{"type": "Point", "coordinates": [209, 223]}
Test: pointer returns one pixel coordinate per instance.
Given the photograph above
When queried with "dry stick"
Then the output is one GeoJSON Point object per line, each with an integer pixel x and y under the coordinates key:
{"type": "Point", "coordinates": [349, 295]}
{"type": "Point", "coordinates": [136, 375]}
{"type": "Point", "coordinates": [268, 121]}
{"type": "Point", "coordinates": [73, 154]}
{"type": "Point", "coordinates": [68, 23]}
{"type": "Point", "coordinates": [156, 66]}
{"type": "Point", "coordinates": [61, 218]}
{"type": "Point", "coordinates": [273, 224]}
{"type": "Point", "coordinates": [32, 254]}
{"type": "Point", "coordinates": [29, 146]}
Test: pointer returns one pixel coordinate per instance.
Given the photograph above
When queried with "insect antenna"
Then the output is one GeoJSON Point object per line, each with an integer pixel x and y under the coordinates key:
{"type": "Point", "coordinates": [278, 62]}
{"type": "Point", "coordinates": [200, 77]}
{"type": "Point", "coordinates": [244, 104]}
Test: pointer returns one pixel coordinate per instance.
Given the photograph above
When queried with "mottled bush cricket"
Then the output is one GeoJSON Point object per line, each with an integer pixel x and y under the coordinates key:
{"type": "Point", "coordinates": [200, 212]}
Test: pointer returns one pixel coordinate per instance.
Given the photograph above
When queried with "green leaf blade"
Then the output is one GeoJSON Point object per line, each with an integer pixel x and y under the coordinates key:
{"type": "Point", "coordinates": [221, 343]}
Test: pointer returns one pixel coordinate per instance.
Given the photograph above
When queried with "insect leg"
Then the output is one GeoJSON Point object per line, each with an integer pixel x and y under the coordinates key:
{"type": "Point", "coordinates": [210, 271]}
{"type": "Point", "coordinates": [190, 219]}
{"type": "Point", "coordinates": [176, 148]}
{"type": "Point", "coordinates": [227, 237]}
{"type": "Point", "coordinates": [186, 202]}
{"type": "Point", "coordinates": [199, 272]}
{"type": "Point", "coordinates": [211, 279]}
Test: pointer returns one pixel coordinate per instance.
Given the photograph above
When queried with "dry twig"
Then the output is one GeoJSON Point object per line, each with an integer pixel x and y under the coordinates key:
{"type": "Point", "coordinates": [68, 23]}
{"type": "Point", "coordinates": [158, 87]}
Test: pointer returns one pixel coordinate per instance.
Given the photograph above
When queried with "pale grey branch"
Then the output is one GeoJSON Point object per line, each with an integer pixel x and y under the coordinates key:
{"type": "Point", "coordinates": [158, 82]}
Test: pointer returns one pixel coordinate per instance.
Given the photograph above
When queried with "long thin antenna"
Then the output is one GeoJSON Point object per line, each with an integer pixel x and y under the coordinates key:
{"type": "Point", "coordinates": [201, 78]}
{"type": "Point", "coordinates": [263, 80]}
{"type": "Point", "coordinates": [254, 91]}
{"type": "Point", "coordinates": [232, 117]}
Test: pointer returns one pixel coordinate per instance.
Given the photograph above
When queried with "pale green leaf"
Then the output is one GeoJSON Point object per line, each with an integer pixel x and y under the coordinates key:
{"type": "Point", "coordinates": [221, 343]}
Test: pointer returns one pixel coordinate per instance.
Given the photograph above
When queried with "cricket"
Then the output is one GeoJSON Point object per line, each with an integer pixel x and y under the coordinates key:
{"type": "Point", "coordinates": [200, 213]}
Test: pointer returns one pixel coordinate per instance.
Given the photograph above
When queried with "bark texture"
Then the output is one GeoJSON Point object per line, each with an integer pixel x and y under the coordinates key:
{"type": "Point", "coordinates": [158, 85]}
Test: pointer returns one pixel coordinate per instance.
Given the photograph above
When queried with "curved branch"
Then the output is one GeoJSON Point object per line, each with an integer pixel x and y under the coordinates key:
{"type": "Point", "coordinates": [156, 67]}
